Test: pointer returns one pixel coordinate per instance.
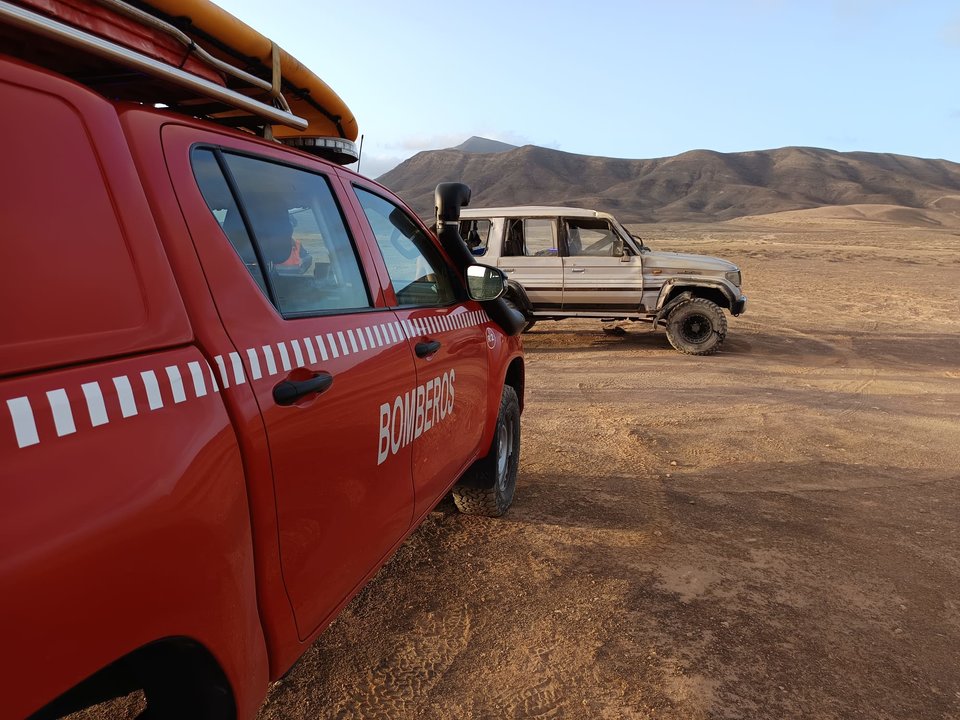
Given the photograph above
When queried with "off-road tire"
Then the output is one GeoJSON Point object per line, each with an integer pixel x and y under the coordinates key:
{"type": "Point", "coordinates": [697, 327]}
{"type": "Point", "coordinates": [529, 325]}
{"type": "Point", "coordinates": [487, 487]}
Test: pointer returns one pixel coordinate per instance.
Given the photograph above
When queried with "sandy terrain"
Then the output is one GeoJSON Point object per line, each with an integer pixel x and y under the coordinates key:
{"type": "Point", "coordinates": [771, 532]}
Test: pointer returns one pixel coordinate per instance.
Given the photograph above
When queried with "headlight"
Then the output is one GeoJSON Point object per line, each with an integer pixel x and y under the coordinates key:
{"type": "Point", "coordinates": [733, 276]}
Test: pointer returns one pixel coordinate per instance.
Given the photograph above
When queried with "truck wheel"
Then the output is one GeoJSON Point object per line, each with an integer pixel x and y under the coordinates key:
{"type": "Point", "coordinates": [487, 487]}
{"type": "Point", "coordinates": [696, 327]}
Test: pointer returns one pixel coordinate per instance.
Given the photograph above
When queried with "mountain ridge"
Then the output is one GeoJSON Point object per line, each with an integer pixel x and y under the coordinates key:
{"type": "Point", "coordinates": [694, 186]}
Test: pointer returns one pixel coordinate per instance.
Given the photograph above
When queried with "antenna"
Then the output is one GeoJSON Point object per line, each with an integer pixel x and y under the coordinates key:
{"type": "Point", "coordinates": [360, 154]}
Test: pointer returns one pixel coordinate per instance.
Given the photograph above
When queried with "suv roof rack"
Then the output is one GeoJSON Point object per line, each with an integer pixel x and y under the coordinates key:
{"type": "Point", "coordinates": [151, 53]}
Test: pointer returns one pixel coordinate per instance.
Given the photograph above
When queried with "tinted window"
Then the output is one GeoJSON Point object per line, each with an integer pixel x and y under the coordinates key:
{"type": "Point", "coordinates": [417, 271]}
{"type": "Point", "coordinates": [220, 200]}
{"type": "Point", "coordinates": [294, 241]}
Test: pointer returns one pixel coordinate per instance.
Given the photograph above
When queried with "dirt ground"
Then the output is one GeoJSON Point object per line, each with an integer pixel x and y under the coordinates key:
{"type": "Point", "coordinates": [770, 532]}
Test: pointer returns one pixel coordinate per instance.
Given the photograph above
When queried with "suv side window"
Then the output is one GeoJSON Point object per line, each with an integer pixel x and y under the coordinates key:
{"type": "Point", "coordinates": [533, 237]}
{"type": "Point", "coordinates": [591, 237]}
{"type": "Point", "coordinates": [293, 240]}
{"type": "Point", "coordinates": [539, 238]}
{"type": "Point", "coordinates": [417, 271]}
{"type": "Point", "coordinates": [476, 233]}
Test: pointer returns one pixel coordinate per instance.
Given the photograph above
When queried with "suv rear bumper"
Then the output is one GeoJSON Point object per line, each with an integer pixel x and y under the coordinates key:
{"type": "Point", "coordinates": [740, 306]}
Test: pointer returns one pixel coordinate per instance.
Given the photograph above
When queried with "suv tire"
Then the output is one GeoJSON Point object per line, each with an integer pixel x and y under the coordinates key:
{"type": "Point", "coordinates": [696, 327]}
{"type": "Point", "coordinates": [487, 487]}
{"type": "Point", "coordinates": [516, 297]}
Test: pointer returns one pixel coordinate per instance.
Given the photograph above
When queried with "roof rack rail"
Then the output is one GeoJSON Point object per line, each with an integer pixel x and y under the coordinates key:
{"type": "Point", "coordinates": [146, 18]}
{"type": "Point", "coordinates": [241, 98]}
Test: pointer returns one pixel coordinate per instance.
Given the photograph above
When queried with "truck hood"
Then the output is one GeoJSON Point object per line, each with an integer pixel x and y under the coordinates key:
{"type": "Point", "coordinates": [686, 261]}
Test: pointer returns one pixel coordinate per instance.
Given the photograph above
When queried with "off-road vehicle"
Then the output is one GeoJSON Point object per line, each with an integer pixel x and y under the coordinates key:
{"type": "Point", "coordinates": [568, 262]}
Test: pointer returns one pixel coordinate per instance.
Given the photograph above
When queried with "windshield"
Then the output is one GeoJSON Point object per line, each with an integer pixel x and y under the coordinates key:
{"type": "Point", "coordinates": [629, 240]}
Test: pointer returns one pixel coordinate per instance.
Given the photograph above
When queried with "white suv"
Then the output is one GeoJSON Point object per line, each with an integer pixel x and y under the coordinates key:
{"type": "Point", "coordinates": [569, 262]}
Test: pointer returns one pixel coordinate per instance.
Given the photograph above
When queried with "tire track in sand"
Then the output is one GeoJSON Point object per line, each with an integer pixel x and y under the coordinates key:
{"type": "Point", "coordinates": [398, 685]}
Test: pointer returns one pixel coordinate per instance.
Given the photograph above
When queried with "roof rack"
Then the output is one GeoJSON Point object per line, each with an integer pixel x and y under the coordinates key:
{"type": "Point", "coordinates": [192, 79]}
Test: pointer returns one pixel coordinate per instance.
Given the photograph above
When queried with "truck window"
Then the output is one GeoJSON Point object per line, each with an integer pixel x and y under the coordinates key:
{"type": "Point", "coordinates": [417, 271]}
{"type": "Point", "coordinates": [216, 192]}
{"type": "Point", "coordinates": [294, 242]}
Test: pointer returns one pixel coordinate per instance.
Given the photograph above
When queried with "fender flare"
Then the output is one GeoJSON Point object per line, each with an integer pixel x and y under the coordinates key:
{"type": "Point", "coordinates": [672, 283]}
{"type": "Point", "coordinates": [510, 361]}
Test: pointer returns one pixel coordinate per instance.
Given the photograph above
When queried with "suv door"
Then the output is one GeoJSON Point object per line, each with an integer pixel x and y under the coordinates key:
{"type": "Point", "coordinates": [296, 294]}
{"type": "Point", "coordinates": [530, 256]}
{"type": "Point", "coordinates": [439, 415]}
{"type": "Point", "coordinates": [595, 275]}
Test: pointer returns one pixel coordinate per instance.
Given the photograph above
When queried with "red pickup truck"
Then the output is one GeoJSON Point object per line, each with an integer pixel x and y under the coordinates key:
{"type": "Point", "coordinates": [234, 377]}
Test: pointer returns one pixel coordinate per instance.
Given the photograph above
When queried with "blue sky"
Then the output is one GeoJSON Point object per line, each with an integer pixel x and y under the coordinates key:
{"type": "Point", "coordinates": [635, 80]}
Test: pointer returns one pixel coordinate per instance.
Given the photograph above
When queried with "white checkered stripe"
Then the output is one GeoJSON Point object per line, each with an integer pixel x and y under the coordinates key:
{"type": "Point", "coordinates": [113, 399]}
{"type": "Point", "coordinates": [155, 389]}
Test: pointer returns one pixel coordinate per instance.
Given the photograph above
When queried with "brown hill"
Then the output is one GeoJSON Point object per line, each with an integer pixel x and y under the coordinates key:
{"type": "Point", "coordinates": [698, 186]}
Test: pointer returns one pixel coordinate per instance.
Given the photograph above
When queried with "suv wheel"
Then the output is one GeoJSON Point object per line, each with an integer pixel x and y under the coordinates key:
{"type": "Point", "coordinates": [696, 327]}
{"type": "Point", "coordinates": [487, 487]}
{"type": "Point", "coordinates": [516, 297]}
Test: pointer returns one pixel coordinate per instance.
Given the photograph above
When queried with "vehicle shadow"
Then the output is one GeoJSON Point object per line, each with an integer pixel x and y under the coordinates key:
{"type": "Point", "coordinates": [563, 340]}
{"type": "Point", "coordinates": [932, 351]}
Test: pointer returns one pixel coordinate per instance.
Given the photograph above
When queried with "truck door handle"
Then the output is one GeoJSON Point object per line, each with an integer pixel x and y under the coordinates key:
{"type": "Point", "coordinates": [287, 392]}
{"type": "Point", "coordinates": [427, 348]}
{"type": "Point", "coordinates": [506, 270]}
{"type": "Point", "coordinates": [576, 269]}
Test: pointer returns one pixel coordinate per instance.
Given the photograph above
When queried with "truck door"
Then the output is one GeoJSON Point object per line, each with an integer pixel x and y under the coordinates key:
{"type": "Point", "coordinates": [595, 275]}
{"type": "Point", "coordinates": [529, 255]}
{"type": "Point", "coordinates": [296, 295]}
{"type": "Point", "coordinates": [441, 413]}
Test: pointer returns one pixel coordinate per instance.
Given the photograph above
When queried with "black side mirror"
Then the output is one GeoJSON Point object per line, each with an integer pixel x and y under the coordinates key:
{"type": "Point", "coordinates": [485, 283]}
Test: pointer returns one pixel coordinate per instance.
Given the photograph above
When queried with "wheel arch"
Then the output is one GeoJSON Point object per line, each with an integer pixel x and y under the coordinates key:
{"type": "Point", "coordinates": [174, 673]}
{"type": "Point", "coordinates": [715, 292]}
{"type": "Point", "coordinates": [506, 368]}
{"type": "Point", "coordinates": [515, 377]}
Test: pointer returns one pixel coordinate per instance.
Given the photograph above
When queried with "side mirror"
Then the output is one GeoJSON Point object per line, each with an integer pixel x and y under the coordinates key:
{"type": "Point", "coordinates": [485, 283]}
